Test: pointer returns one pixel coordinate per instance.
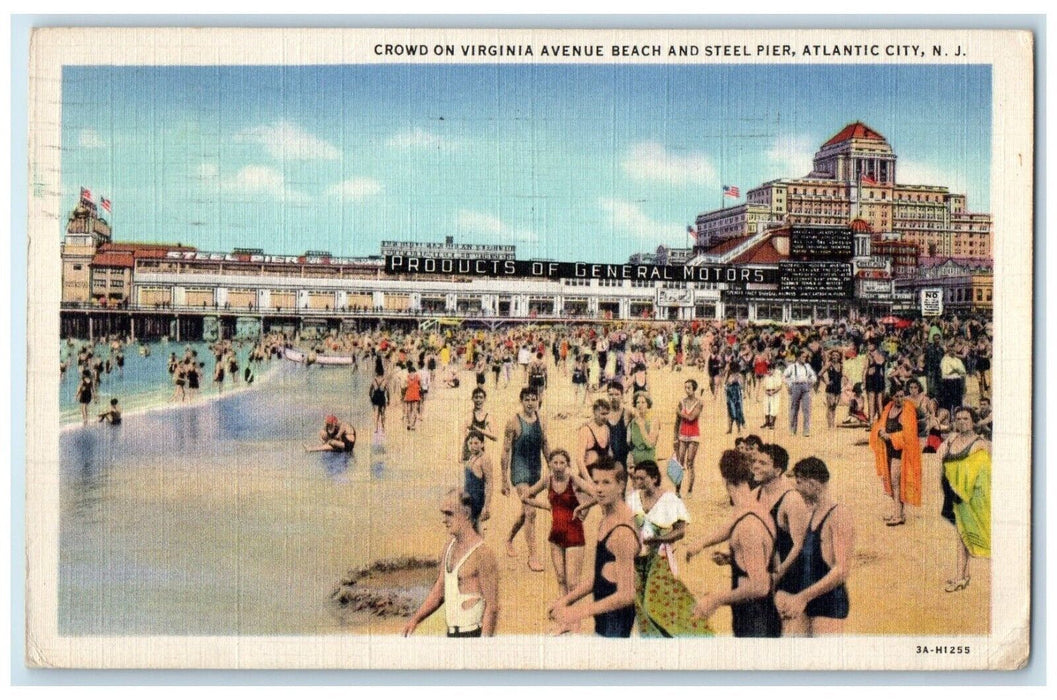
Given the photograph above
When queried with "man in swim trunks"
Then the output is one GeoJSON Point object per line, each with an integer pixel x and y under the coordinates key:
{"type": "Point", "coordinates": [594, 438]}
{"type": "Point", "coordinates": [537, 375]}
{"type": "Point", "coordinates": [336, 437]}
{"type": "Point", "coordinates": [751, 595]}
{"type": "Point", "coordinates": [613, 583]}
{"type": "Point", "coordinates": [524, 448]}
{"type": "Point", "coordinates": [790, 516]}
{"type": "Point", "coordinates": [826, 555]}
{"type": "Point", "coordinates": [468, 582]}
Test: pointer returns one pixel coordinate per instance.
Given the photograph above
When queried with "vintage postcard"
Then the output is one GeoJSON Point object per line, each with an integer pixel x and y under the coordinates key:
{"type": "Point", "coordinates": [626, 349]}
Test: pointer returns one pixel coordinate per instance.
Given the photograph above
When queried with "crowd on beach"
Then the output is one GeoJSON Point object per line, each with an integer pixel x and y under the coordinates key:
{"type": "Point", "coordinates": [916, 387]}
{"type": "Point", "coordinates": [789, 543]}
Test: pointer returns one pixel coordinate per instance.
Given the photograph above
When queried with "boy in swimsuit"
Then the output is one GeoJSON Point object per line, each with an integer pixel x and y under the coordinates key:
{"type": "Point", "coordinates": [826, 555]}
{"type": "Point", "coordinates": [468, 582]}
{"type": "Point", "coordinates": [524, 447]}
{"type": "Point", "coordinates": [613, 582]}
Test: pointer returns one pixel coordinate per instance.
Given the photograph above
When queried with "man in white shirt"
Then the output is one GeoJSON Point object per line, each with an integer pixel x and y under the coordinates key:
{"type": "Point", "coordinates": [800, 378]}
{"type": "Point", "coordinates": [772, 389]}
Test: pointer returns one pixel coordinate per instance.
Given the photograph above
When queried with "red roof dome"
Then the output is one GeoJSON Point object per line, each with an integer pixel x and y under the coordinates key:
{"type": "Point", "coordinates": [860, 226]}
{"type": "Point", "coordinates": [856, 130]}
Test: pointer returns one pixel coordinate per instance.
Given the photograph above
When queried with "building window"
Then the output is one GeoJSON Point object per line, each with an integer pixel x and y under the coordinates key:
{"type": "Point", "coordinates": [78, 267]}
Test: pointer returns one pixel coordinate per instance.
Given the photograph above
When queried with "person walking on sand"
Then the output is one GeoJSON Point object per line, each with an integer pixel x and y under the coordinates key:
{"type": "Point", "coordinates": [688, 432]}
{"type": "Point", "coordinates": [897, 455]}
{"type": "Point", "coordinates": [467, 584]}
{"type": "Point", "coordinates": [479, 421]}
{"type": "Point", "coordinates": [379, 395]}
{"type": "Point", "coordinates": [477, 478]}
{"type": "Point", "coordinates": [612, 583]}
{"type": "Point", "coordinates": [565, 495]}
{"type": "Point", "coordinates": [524, 446]}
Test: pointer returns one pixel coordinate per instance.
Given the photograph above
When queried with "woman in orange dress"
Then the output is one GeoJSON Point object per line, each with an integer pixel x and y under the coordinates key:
{"type": "Point", "coordinates": [897, 455]}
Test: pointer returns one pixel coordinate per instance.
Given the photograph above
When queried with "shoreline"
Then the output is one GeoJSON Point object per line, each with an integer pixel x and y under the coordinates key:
{"type": "Point", "coordinates": [200, 400]}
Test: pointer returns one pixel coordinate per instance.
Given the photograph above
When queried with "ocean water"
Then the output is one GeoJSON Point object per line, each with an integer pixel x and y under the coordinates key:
{"type": "Point", "coordinates": [210, 518]}
{"type": "Point", "coordinates": [144, 382]}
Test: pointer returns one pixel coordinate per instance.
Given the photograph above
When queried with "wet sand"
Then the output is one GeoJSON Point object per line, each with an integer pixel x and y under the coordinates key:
{"type": "Point", "coordinates": [212, 520]}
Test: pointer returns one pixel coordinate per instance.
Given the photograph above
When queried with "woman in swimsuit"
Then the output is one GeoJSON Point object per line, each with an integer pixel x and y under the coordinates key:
{"type": "Point", "coordinates": [580, 380]}
{"type": "Point", "coordinates": [566, 492]}
{"type": "Point", "coordinates": [874, 380]}
{"type": "Point", "coordinates": [688, 432]}
{"type": "Point", "coordinates": [735, 395]}
{"type": "Point", "coordinates": [832, 377]}
{"type": "Point", "coordinates": [379, 395]}
{"type": "Point", "coordinates": [84, 394]}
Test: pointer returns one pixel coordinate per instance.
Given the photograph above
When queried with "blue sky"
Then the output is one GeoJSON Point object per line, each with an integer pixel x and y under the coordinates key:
{"type": "Point", "coordinates": [571, 162]}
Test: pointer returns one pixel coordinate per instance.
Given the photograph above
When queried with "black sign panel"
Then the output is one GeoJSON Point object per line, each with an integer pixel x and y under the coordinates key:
{"type": "Point", "coordinates": [547, 269]}
{"type": "Point", "coordinates": [816, 280]}
{"type": "Point", "coordinates": [819, 243]}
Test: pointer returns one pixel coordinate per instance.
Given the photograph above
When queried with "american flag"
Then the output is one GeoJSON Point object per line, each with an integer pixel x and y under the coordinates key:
{"type": "Point", "coordinates": [731, 191]}
{"type": "Point", "coordinates": [692, 232]}
{"type": "Point", "coordinates": [867, 180]}
{"type": "Point", "coordinates": [105, 203]}
{"type": "Point", "coordinates": [86, 194]}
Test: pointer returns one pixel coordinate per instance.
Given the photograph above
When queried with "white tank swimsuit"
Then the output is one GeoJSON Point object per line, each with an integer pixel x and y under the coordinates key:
{"type": "Point", "coordinates": [458, 618]}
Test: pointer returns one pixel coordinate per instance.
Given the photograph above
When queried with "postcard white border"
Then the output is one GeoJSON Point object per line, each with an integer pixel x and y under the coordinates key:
{"type": "Point", "coordinates": [1009, 53]}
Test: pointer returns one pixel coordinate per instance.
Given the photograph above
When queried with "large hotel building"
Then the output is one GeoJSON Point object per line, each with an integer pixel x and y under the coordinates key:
{"type": "Point", "coordinates": [906, 237]}
{"type": "Point", "coordinates": [854, 176]}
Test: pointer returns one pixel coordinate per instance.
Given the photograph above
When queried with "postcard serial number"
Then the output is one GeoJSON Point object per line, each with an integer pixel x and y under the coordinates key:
{"type": "Point", "coordinates": [924, 649]}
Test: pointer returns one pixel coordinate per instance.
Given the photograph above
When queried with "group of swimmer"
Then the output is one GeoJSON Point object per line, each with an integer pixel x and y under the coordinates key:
{"type": "Point", "coordinates": [790, 543]}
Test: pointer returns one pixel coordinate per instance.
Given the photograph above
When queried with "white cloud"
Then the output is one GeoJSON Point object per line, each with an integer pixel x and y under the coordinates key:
{"type": "Point", "coordinates": [252, 180]}
{"type": "Point", "coordinates": [420, 138]}
{"type": "Point", "coordinates": [792, 155]}
{"type": "Point", "coordinates": [629, 217]}
{"type": "Point", "coordinates": [257, 178]}
{"type": "Point", "coordinates": [482, 224]}
{"type": "Point", "coordinates": [283, 140]}
{"type": "Point", "coordinates": [652, 161]}
{"type": "Point", "coordinates": [355, 189]}
{"type": "Point", "coordinates": [90, 138]}
{"type": "Point", "coordinates": [911, 172]}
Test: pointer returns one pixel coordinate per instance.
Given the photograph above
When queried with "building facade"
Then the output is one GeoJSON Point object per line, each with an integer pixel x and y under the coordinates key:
{"type": "Point", "coordinates": [854, 176]}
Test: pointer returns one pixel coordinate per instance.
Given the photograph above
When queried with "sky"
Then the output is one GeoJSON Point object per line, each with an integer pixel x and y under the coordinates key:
{"type": "Point", "coordinates": [567, 162]}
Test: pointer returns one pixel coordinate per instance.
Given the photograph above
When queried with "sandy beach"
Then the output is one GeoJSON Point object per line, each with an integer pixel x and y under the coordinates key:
{"type": "Point", "coordinates": [213, 520]}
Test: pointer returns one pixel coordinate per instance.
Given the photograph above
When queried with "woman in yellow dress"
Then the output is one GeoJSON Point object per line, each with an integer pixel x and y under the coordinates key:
{"type": "Point", "coordinates": [966, 482]}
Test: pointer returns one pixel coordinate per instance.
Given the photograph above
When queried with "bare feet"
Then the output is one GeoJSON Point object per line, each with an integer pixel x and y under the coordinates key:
{"type": "Point", "coordinates": [510, 551]}
{"type": "Point", "coordinates": [534, 565]}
